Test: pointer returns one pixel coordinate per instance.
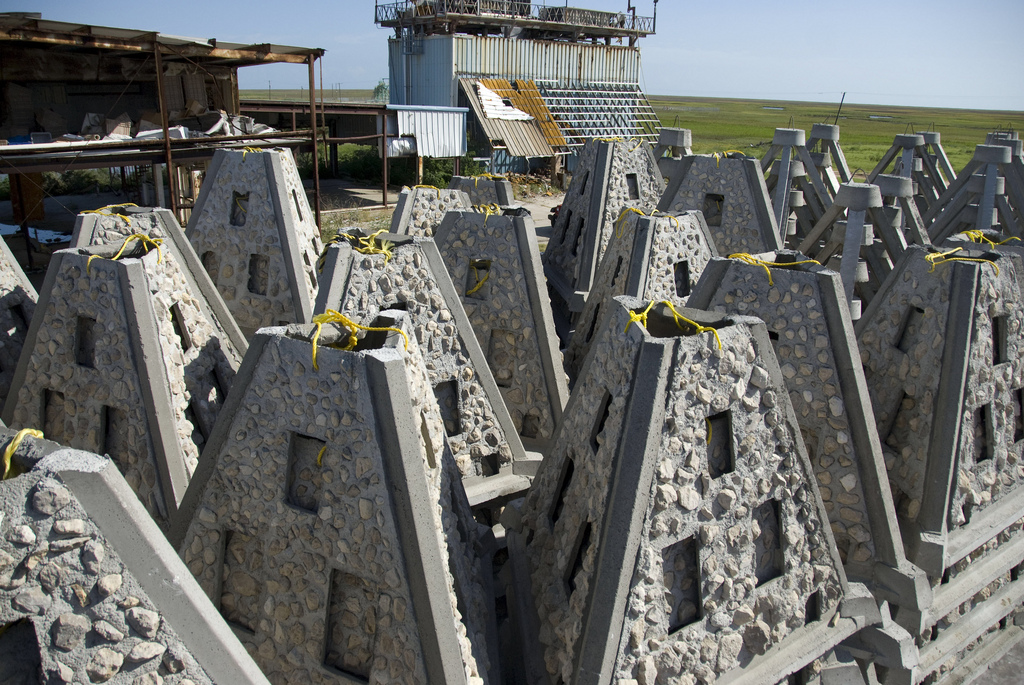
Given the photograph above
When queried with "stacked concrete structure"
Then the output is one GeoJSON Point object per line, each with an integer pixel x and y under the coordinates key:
{"type": "Point", "coordinates": [495, 267]}
{"type": "Point", "coordinates": [413, 276]}
{"type": "Point", "coordinates": [91, 592]}
{"type": "Point", "coordinates": [612, 176]}
{"type": "Point", "coordinates": [328, 520]}
{"type": "Point", "coordinates": [731, 192]}
{"type": "Point", "coordinates": [256, 236]}
{"type": "Point", "coordinates": [828, 156]}
{"type": "Point", "coordinates": [487, 189]}
{"type": "Point", "coordinates": [805, 309]}
{"type": "Point", "coordinates": [126, 357]}
{"type": "Point", "coordinates": [799, 195]}
{"type": "Point", "coordinates": [673, 143]}
{"type": "Point", "coordinates": [976, 200]}
{"type": "Point", "coordinates": [941, 351]}
{"type": "Point", "coordinates": [934, 157]}
{"type": "Point", "coordinates": [912, 156]}
{"type": "Point", "coordinates": [675, 533]}
{"type": "Point", "coordinates": [649, 257]}
{"type": "Point", "coordinates": [420, 209]}
{"type": "Point", "coordinates": [17, 305]}
{"type": "Point", "coordinates": [1013, 174]}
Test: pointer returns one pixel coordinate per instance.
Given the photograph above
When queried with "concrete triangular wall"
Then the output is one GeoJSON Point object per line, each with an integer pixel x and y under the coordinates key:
{"type": "Point", "coordinates": [17, 305]}
{"type": "Point", "coordinates": [650, 258]}
{"type": "Point", "coordinates": [122, 358]}
{"type": "Point", "coordinates": [255, 235]}
{"type": "Point", "coordinates": [804, 308]}
{"type": "Point", "coordinates": [734, 198]}
{"type": "Point", "coordinates": [420, 209]}
{"type": "Point", "coordinates": [484, 190]}
{"type": "Point", "coordinates": [328, 520]}
{"type": "Point", "coordinates": [480, 430]}
{"type": "Point", "coordinates": [494, 263]}
{"type": "Point", "coordinates": [941, 346]}
{"type": "Point", "coordinates": [650, 561]}
{"type": "Point", "coordinates": [610, 176]}
{"type": "Point", "coordinates": [91, 591]}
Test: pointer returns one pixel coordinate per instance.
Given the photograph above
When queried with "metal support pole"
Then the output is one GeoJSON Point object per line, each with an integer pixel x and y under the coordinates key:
{"type": "Point", "coordinates": [164, 119]}
{"type": "Point", "coordinates": [316, 154]}
{"type": "Point", "coordinates": [384, 161]}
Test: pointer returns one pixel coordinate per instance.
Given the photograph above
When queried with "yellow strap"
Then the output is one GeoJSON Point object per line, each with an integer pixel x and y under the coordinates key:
{"type": "Point", "coordinates": [332, 316]}
{"type": "Point", "coordinates": [431, 187]}
{"type": "Point", "coordinates": [105, 211]}
{"type": "Point", "coordinates": [476, 179]}
{"type": "Point", "coordinates": [620, 222]}
{"type": "Point", "coordinates": [610, 140]}
{"type": "Point", "coordinates": [147, 242]}
{"type": "Point", "coordinates": [238, 201]}
{"type": "Point", "coordinates": [320, 455]}
{"type": "Point", "coordinates": [247, 150]}
{"type": "Point", "coordinates": [720, 155]}
{"type": "Point", "coordinates": [977, 236]}
{"type": "Point", "coordinates": [708, 421]}
{"type": "Point", "coordinates": [754, 261]}
{"type": "Point", "coordinates": [487, 210]}
{"type": "Point", "coordinates": [937, 258]}
{"type": "Point", "coordinates": [642, 319]}
{"type": "Point", "coordinates": [476, 274]}
{"type": "Point", "coordinates": [13, 446]}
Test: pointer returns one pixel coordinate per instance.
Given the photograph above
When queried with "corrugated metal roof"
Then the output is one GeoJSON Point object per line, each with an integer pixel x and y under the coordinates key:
{"type": "Point", "coordinates": [520, 138]}
{"type": "Point", "coordinates": [439, 131]}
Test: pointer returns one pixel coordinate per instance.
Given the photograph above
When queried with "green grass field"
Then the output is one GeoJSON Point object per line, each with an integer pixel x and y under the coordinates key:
{"type": "Point", "coordinates": [724, 124]}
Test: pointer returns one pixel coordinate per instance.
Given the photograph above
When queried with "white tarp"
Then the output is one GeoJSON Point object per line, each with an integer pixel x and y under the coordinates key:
{"type": "Point", "coordinates": [495, 108]}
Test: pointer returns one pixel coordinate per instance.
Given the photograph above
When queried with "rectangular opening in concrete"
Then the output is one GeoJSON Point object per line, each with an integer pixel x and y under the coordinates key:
{"type": "Point", "coordinates": [681, 569]}
{"type": "Point", "coordinates": [583, 182]}
{"type": "Point", "coordinates": [1017, 396]}
{"type": "Point", "coordinates": [577, 236]}
{"type": "Point", "coordinates": [19, 315]}
{"type": "Point", "coordinates": [712, 208]}
{"type": "Point", "coordinates": [53, 415]}
{"type": "Point", "coordinates": [211, 263]}
{"type": "Point", "coordinates": [428, 444]}
{"type": "Point", "coordinates": [178, 321]}
{"type": "Point", "coordinates": [618, 270]}
{"type": "Point", "coordinates": [1000, 354]}
{"type": "Point", "coordinates": [490, 464]}
{"type": "Point", "coordinates": [305, 479]}
{"type": "Point", "coordinates": [241, 580]}
{"type": "Point", "coordinates": [198, 435]}
{"type": "Point", "coordinates": [602, 418]}
{"type": "Point", "coordinates": [904, 405]}
{"type": "Point", "coordinates": [681, 273]}
{"type": "Point", "coordinates": [632, 187]}
{"type": "Point", "coordinates": [567, 233]}
{"type": "Point", "coordinates": [447, 394]}
{"type": "Point", "coordinates": [259, 274]}
{"type": "Point", "coordinates": [593, 322]}
{"type": "Point", "coordinates": [20, 646]}
{"type": "Point", "coordinates": [85, 342]}
{"type": "Point", "coordinates": [477, 275]}
{"type": "Point", "coordinates": [373, 340]}
{"type": "Point", "coordinates": [812, 608]}
{"type": "Point", "coordinates": [909, 328]}
{"type": "Point", "coordinates": [239, 208]}
{"type": "Point", "coordinates": [984, 447]}
{"type": "Point", "coordinates": [501, 356]}
{"type": "Point", "coordinates": [531, 425]}
{"type": "Point", "coordinates": [564, 481]}
{"type": "Point", "coordinates": [351, 625]}
{"type": "Point", "coordinates": [295, 201]}
{"type": "Point", "coordinates": [579, 552]}
{"type": "Point", "coordinates": [721, 451]}
{"type": "Point", "coordinates": [768, 552]}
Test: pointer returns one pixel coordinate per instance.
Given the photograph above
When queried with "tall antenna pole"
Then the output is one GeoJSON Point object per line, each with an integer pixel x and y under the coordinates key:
{"type": "Point", "coordinates": [840, 107]}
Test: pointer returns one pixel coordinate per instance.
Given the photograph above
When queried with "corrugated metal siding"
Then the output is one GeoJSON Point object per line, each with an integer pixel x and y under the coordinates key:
{"type": "Point", "coordinates": [521, 138]}
{"type": "Point", "coordinates": [423, 79]}
{"type": "Point", "coordinates": [438, 134]}
{"type": "Point", "coordinates": [544, 60]}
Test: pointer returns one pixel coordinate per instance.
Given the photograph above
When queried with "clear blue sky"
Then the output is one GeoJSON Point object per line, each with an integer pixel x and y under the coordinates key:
{"type": "Point", "coordinates": [930, 53]}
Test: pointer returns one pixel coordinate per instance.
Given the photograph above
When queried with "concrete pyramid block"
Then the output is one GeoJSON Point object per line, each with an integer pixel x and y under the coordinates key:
{"type": "Point", "coordinates": [495, 267]}
{"type": "Point", "coordinates": [483, 437]}
{"type": "Point", "coordinates": [730, 190]}
{"type": "Point", "coordinates": [675, 532]}
{"type": "Point", "coordinates": [328, 520]}
{"type": "Point", "coordinates": [420, 209]}
{"type": "Point", "coordinates": [651, 258]}
{"type": "Point", "coordinates": [124, 358]}
{"type": "Point", "coordinates": [91, 591]}
{"type": "Point", "coordinates": [804, 308]}
{"type": "Point", "coordinates": [611, 176]}
{"type": "Point", "coordinates": [17, 305]}
{"type": "Point", "coordinates": [989, 192]}
{"type": "Point", "coordinates": [255, 235]}
{"type": "Point", "coordinates": [919, 157]}
{"type": "Point", "coordinates": [486, 189]}
{"type": "Point", "coordinates": [941, 346]}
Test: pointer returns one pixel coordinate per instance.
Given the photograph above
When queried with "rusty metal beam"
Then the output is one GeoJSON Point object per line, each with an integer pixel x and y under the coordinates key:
{"type": "Point", "coordinates": [316, 152]}
{"type": "Point", "coordinates": [171, 185]}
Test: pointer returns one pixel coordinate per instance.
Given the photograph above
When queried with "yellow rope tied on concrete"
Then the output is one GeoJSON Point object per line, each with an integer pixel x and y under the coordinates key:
{"type": "Point", "coordinates": [474, 265]}
{"type": "Point", "coordinates": [105, 211]}
{"type": "Point", "coordinates": [720, 155]}
{"type": "Point", "coordinates": [620, 222]}
{"type": "Point", "coordinates": [487, 210]}
{"type": "Point", "coordinates": [332, 316]}
{"type": "Point", "coordinates": [679, 319]}
{"type": "Point", "coordinates": [431, 187]}
{"type": "Point", "coordinates": [494, 177]}
{"type": "Point", "coordinates": [754, 261]}
{"type": "Point", "coordinates": [147, 242]}
{"type": "Point", "coordinates": [320, 455]}
{"type": "Point", "coordinates": [247, 150]}
{"type": "Point", "coordinates": [976, 236]}
{"type": "Point", "coordinates": [13, 446]}
{"type": "Point", "coordinates": [937, 258]}
{"type": "Point", "coordinates": [708, 421]}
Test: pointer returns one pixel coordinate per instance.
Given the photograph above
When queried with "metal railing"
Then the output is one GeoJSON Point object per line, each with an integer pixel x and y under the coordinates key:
{"type": "Point", "coordinates": [391, 13]}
